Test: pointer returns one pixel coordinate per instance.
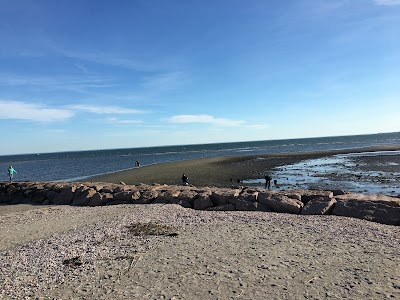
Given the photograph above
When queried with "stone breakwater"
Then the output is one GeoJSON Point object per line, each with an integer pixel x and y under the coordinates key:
{"type": "Point", "coordinates": [376, 208]}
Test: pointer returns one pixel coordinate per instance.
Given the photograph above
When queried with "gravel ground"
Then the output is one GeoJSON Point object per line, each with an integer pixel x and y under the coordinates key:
{"type": "Point", "coordinates": [69, 252]}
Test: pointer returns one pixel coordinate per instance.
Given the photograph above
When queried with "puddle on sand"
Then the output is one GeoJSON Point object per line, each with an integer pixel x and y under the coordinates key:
{"type": "Point", "coordinates": [335, 172]}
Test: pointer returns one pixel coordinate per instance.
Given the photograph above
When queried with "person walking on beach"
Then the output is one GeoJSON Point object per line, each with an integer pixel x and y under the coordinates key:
{"type": "Point", "coordinates": [11, 172]}
{"type": "Point", "coordinates": [185, 180]}
{"type": "Point", "coordinates": [268, 179]}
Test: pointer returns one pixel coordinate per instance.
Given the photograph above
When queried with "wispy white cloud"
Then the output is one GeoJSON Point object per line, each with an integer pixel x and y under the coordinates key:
{"type": "Point", "coordinates": [82, 84]}
{"type": "Point", "coordinates": [104, 109]}
{"type": "Point", "coordinates": [387, 2]}
{"type": "Point", "coordinates": [12, 79]}
{"type": "Point", "coordinates": [123, 122]}
{"type": "Point", "coordinates": [33, 112]}
{"type": "Point", "coordinates": [107, 59]}
{"type": "Point", "coordinates": [166, 81]}
{"type": "Point", "coordinates": [205, 119]}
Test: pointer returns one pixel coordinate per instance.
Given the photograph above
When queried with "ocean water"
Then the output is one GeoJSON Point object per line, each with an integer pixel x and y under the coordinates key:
{"type": "Point", "coordinates": [342, 171]}
{"type": "Point", "coordinates": [70, 166]}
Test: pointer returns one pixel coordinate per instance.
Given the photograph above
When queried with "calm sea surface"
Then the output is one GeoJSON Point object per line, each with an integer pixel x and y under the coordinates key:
{"type": "Point", "coordinates": [69, 166]}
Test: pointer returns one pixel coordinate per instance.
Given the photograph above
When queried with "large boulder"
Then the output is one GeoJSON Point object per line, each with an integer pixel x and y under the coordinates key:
{"type": "Point", "coordinates": [99, 199]}
{"type": "Point", "coordinates": [248, 195]}
{"type": "Point", "coordinates": [126, 196]}
{"type": "Point", "coordinates": [203, 202]}
{"type": "Point", "coordinates": [307, 195]}
{"type": "Point", "coordinates": [82, 196]}
{"type": "Point", "coordinates": [384, 210]}
{"type": "Point", "coordinates": [65, 196]}
{"type": "Point", "coordinates": [319, 206]}
{"type": "Point", "coordinates": [51, 195]}
{"type": "Point", "coordinates": [39, 196]}
{"type": "Point", "coordinates": [280, 203]}
{"type": "Point", "coordinates": [147, 196]}
{"type": "Point", "coordinates": [187, 195]}
{"type": "Point", "coordinates": [168, 195]}
{"type": "Point", "coordinates": [391, 201]}
{"type": "Point", "coordinates": [241, 204]}
{"type": "Point", "coordinates": [223, 196]}
{"type": "Point", "coordinates": [181, 202]}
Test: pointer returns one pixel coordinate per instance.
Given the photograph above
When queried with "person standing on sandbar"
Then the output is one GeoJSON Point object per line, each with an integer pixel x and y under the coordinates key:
{"type": "Point", "coordinates": [11, 172]}
{"type": "Point", "coordinates": [268, 179]}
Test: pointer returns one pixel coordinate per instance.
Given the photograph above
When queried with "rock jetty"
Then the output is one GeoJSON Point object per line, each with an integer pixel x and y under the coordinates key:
{"type": "Point", "coordinates": [375, 208]}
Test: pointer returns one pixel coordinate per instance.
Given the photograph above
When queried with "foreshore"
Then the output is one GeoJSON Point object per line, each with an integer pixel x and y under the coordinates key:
{"type": "Point", "coordinates": [166, 251]}
{"type": "Point", "coordinates": [220, 171]}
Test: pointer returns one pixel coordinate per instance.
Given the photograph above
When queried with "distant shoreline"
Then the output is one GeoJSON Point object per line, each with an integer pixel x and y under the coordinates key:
{"type": "Point", "coordinates": [219, 171]}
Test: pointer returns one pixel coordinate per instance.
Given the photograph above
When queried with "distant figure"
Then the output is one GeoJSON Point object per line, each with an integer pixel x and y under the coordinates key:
{"type": "Point", "coordinates": [185, 180]}
{"type": "Point", "coordinates": [11, 172]}
{"type": "Point", "coordinates": [137, 164]}
{"type": "Point", "coordinates": [276, 184]}
{"type": "Point", "coordinates": [268, 182]}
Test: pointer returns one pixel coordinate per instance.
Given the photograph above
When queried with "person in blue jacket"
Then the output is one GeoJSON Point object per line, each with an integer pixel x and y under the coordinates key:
{"type": "Point", "coordinates": [11, 172]}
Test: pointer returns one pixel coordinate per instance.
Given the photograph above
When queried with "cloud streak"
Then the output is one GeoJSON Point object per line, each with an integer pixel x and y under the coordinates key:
{"type": "Point", "coordinates": [18, 110]}
{"type": "Point", "coordinates": [123, 122]}
{"type": "Point", "coordinates": [166, 81]}
{"type": "Point", "coordinates": [104, 109]}
{"type": "Point", "coordinates": [106, 59]}
{"type": "Point", "coordinates": [207, 119]}
{"type": "Point", "coordinates": [14, 110]}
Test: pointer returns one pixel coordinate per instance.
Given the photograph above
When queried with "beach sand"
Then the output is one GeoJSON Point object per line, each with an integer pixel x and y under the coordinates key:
{"type": "Point", "coordinates": [89, 253]}
{"type": "Point", "coordinates": [65, 252]}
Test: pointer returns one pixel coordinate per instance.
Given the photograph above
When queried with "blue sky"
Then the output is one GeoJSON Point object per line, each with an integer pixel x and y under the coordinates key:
{"type": "Point", "coordinates": [80, 75]}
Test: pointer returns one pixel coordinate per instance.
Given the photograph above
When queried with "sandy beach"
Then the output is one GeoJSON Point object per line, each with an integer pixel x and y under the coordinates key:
{"type": "Point", "coordinates": [165, 251]}
{"type": "Point", "coordinates": [90, 253]}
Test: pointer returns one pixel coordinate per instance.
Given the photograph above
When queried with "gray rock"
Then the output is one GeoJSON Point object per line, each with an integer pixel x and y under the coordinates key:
{"type": "Point", "coordinates": [319, 206]}
{"type": "Point", "coordinates": [168, 195]}
{"type": "Point", "coordinates": [182, 202]}
{"type": "Point", "coordinates": [128, 196]}
{"type": "Point", "coordinates": [376, 211]}
{"type": "Point", "coordinates": [187, 195]}
{"type": "Point", "coordinates": [263, 207]}
{"type": "Point", "coordinates": [65, 197]}
{"type": "Point", "coordinates": [202, 202]}
{"type": "Point", "coordinates": [223, 196]}
{"type": "Point", "coordinates": [147, 196]}
{"type": "Point", "coordinates": [99, 199]}
{"type": "Point", "coordinates": [241, 204]}
{"type": "Point", "coordinates": [312, 194]}
{"type": "Point", "coordinates": [39, 196]}
{"type": "Point", "coordinates": [293, 196]}
{"type": "Point", "coordinates": [280, 203]}
{"type": "Point", "coordinates": [248, 195]}
{"type": "Point", "coordinates": [338, 192]}
{"type": "Point", "coordinates": [82, 196]}
{"type": "Point", "coordinates": [51, 195]}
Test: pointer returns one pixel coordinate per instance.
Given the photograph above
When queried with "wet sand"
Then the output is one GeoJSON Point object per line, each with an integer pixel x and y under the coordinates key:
{"type": "Point", "coordinates": [220, 171]}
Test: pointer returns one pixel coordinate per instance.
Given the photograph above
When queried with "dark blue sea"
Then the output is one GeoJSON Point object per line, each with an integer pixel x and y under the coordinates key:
{"type": "Point", "coordinates": [70, 166]}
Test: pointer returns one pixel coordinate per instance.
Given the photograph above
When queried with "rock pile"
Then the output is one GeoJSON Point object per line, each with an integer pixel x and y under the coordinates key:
{"type": "Point", "coordinates": [375, 208]}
